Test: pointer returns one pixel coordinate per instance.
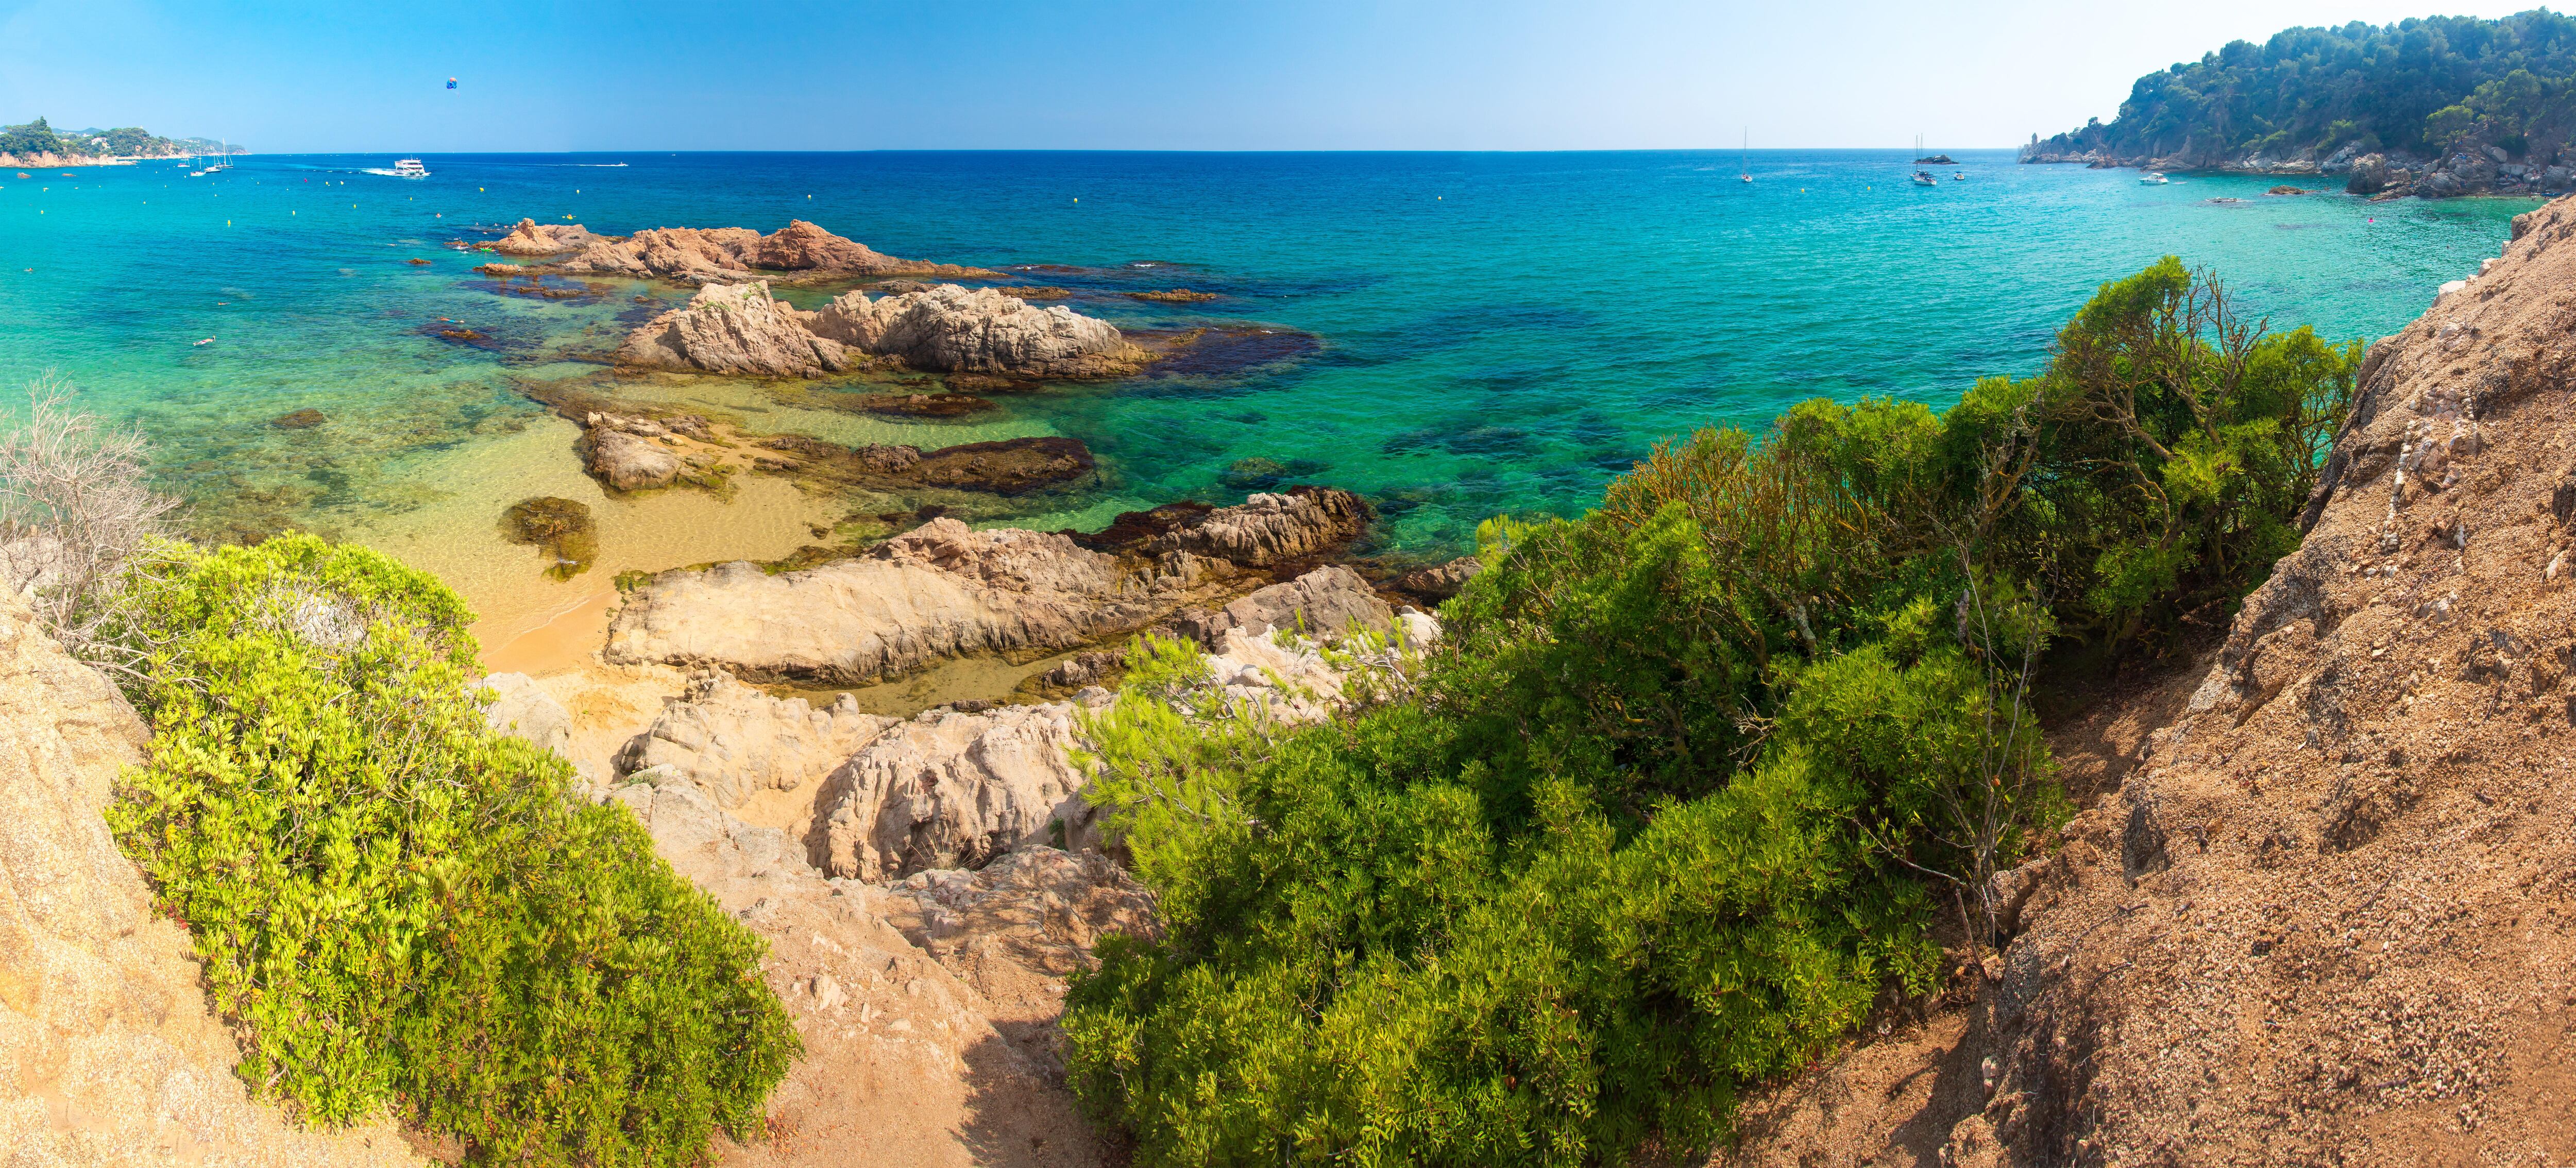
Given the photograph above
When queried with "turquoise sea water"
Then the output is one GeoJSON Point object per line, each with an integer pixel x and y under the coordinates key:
{"type": "Point", "coordinates": [1490, 332]}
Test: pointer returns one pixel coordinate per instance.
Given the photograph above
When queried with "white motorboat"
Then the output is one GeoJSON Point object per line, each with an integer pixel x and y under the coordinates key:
{"type": "Point", "coordinates": [2153, 179]}
{"type": "Point", "coordinates": [409, 168]}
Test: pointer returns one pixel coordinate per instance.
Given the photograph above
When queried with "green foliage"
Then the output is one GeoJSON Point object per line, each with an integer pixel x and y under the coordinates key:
{"type": "Point", "coordinates": [32, 138]}
{"type": "Point", "coordinates": [1679, 793]}
{"type": "Point", "coordinates": [2425, 86]}
{"type": "Point", "coordinates": [398, 905]}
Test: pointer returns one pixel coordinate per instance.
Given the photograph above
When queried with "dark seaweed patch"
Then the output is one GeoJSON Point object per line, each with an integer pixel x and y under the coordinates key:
{"type": "Point", "coordinates": [1220, 352]}
{"type": "Point", "coordinates": [1477, 440]}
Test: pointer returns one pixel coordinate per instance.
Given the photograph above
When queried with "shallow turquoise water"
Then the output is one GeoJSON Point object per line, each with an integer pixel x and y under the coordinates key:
{"type": "Point", "coordinates": [1493, 332]}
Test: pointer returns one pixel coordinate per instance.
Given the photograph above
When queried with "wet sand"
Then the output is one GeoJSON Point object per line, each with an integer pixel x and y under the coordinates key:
{"type": "Point", "coordinates": [529, 623]}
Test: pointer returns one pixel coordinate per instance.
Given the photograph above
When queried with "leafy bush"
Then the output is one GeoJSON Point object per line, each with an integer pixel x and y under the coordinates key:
{"type": "Point", "coordinates": [399, 906]}
{"type": "Point", "coordinates": [1678, 794]}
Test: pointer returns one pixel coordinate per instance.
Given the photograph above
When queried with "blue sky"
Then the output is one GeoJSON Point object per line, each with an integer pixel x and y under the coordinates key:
{"type": "Point", "coordinates": [1173, 74]}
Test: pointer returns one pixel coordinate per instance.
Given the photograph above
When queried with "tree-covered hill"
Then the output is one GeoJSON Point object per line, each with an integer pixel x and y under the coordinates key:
{"type": "Point", "coordinates": [38, 138]}
{"type": "Point", "coordinates": [2321, 98]}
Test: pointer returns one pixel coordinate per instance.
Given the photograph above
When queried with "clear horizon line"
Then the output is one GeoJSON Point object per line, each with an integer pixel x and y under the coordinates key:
{"type": "Point", "coordinates": [1153, 150]}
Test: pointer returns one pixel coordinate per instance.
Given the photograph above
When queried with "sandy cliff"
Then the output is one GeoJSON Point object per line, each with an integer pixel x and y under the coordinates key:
{"type": "Point", "coordinates": [2322, 906]}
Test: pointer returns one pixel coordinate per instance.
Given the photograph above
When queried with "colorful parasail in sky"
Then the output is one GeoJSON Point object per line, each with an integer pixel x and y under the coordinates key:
{"type": "Point", "coordinates": [451, 83]}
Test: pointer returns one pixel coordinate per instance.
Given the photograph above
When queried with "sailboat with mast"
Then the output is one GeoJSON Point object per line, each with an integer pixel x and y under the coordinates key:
{"type": "Point", "coordinates": [1744, 156]}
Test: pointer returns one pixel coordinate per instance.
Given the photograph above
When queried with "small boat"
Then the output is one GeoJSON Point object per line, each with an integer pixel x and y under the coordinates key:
{"type": "Point", "coordinates": [2153, 179]}
{"type": "Point", "coordinates": [1961, 176]}
{"type": "Point", "coordinates": [1923, 178]}
{"type": "Point", "coordinates": [1744, 156]}
{"type": "Point", "coordinates": [409, 168]}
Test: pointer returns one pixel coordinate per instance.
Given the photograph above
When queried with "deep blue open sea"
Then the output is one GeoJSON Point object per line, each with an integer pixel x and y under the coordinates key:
{"type": "Point", "coordinates": [1490, 332]}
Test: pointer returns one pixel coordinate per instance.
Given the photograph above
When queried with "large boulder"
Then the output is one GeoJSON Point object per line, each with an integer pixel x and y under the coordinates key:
{"type": "Point", "coordinates": [1327, 604]}
{"type": "Point", "coordinates": [627, 460]}
{"type": "Point", "coordinates": [2369, 175]}
{"type": "Point", "coordinates": [531, 238]}
{"type": "Point", "coordinates": [952, 329]}
{"type": "Point", "coordinates": [953, 790]}
{"type": "Point", "coordinates": [938, 591]}
{"type": "Point", "coordinates": [733, 741]}
{"type": "Point", "coordinates": [1269, 529]}
{"type": "Point", "coordinates": [108, 1052]}
{"type": "Point", "coordinates": [733, 328]}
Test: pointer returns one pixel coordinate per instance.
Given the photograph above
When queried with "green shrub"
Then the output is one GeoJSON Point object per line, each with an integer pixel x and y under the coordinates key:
{"type": "Point", "coordinates": [1680, 791]}
{"type": "Point", "coordinates": [399, 906]}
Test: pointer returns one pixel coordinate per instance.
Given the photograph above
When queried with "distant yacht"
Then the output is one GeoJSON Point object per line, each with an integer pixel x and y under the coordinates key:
{"type": "Point", "coordinates": [2153, 179]}
{"type": "Point", "coordinates": [409, 168]}
{"type": "Point", "coordinates": [1744, 156]}
{"type": "Point", "coordinates": [1923, 178]}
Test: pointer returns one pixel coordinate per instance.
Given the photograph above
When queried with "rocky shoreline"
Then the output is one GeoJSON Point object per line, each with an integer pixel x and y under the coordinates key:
{"type": "Point", "coordinates": [2474, 169]}
{"type": "Point", "coordinates": [926, 883]}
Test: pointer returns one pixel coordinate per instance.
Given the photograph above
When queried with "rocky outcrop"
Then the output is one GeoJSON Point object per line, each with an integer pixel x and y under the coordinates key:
{"type": "Point", "coordinates": [954, 330]}
{"type": "Point", "coordinates": [1440, 581]}
{"type": "Point", "coordinates": [1327, 603]}
{"type": "Point", "coordinates": [108, 1052]}
{"type": "Point", "coordinates": [2471, 169]}
{"type": "Point", "coordinates": [938, 591]}
{"type": "Point", "coordinates": [952, 790]}
{"type": "Point", "coordinates": [736, 255]}
{"type": "Point", "coordinates": [531, 238]}
{"type": "Point", "coordinates": [2321, 907]}
{"type": "Point", "coordinates": [737, 329]}
{"type": "Point", "coordinates": [626, 453]}
{"type": "Point", "coordinates": [1041, 908]}
{"type": "Point", "coordinates": [2373, 174]}
{"type": "Point", "coordinates": [519, 708]}
{"type": "Point", "coordinates": [733, 742]}
{"type": "Point", "coordinates": [1269, 529]}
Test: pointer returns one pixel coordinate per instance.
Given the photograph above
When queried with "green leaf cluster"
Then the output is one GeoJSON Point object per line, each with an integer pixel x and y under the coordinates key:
{"type": "Point", "coordinates": [1678, 795]}
{"type": "Point", "coordinates": [400, 907]}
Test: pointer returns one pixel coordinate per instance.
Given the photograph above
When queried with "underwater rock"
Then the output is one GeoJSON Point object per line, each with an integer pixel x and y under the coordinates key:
{"type": "Point", "coordinates": [950, 328]}
{"type": "Point", "coordinates": [1013, 466]}
{"type": "Point", "coordinates": [1175, 296]}
{"type": "Point", "coordinates": [733, 328]}
{"type": "Point", "coordinates": [1261, 474]}
{"type": "Point", "coordinates": [562, 527]}
{"type": "Point", "coordinates": [925, 405]}
{"type": "Point", "coordinates": [303, 419]}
